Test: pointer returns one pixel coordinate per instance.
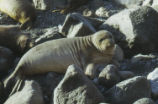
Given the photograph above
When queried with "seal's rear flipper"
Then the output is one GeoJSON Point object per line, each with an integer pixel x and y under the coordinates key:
{"type": "Point", "coordinates": [17, 86]}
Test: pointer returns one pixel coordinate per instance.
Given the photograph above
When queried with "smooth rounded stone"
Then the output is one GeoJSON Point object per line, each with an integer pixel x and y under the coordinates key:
{"type": "Point", "coordinates": [76, 25]}
{"type": "Point", "coordinates": [147, 3]}
{"type": "Point", "coordinates": [43, 4]}
{"type": "Point", "coordinates": [109, 76]}
{"type": "Point", "coordinates": [30, 94]}
{"type": "Point", "coordinates": [144, 101]}
{"type": "Point", "coordinates": [88, 13]}
{"type": "Point", "coordinates": [155, 2]}
{"type": "Point", "coordinates": [6, 60]}
{"type": "Point", "coordinates": [126, 74]}
{"type": "Point", "coordinates": [153, 77]}
{"type": "Point", "coordinates": [155, 7]}
{"type": "Point", "coordinates": [141, 57]}
{"type": "Point", "coordinates": [119, 54]}
{"type": "Point", "coordinates": [129, 3]}
{"type": "Point", "coordinates": [135, 30]}
{"type": "Point", "coordinates": [76, 88]}
{"type": "Point", "coordinates": [102, 12]}
{"type": "Point", "coordinates": [128, 91]}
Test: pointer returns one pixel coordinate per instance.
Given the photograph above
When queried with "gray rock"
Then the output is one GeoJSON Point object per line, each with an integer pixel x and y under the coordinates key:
{"type": "Point", "coordinates": [50, 34]}
{"type": "Point", "coordinates": [6, 60]}
{"type": "Point", "coordinates": [43, 4]}
{"type": "Point", "coordinates": [153, 77]}
{"type": "Point", "coordinates": [155, 7]}
{"type": "Point", "coordinates": [140, 57]}
{"type": "Point", "coordinates": [76, 88]}
{"type": "Point", "coordinates": [48, 83]}
{"type": "Point", "coordinates": [119, 54]}
{"type": "Point", "coordinates": [135, 30]}
{"type": "Point", "coordinates": [30, 94]}
{"type": "Point", "coordinates": [150, 3]}
{"type": "Point", "coordinates": [102, 12]}
{"type": "Point", "coordinates": [128, 91]}
{"type": "Point", "coordinates": [76, 25]}
{"type": "Point", "coordinates": [126, 74]}
{"type": "Point", "coordinates": [109, 76]}
{"type": "Point", "coordinates": [144, 101]}
{"type": "Point", "coordinates": [155, 2]}
{"type": "Point", "coordinates": [129, 3]}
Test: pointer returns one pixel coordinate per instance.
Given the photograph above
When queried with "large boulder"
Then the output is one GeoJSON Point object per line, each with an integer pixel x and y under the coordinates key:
{"type": "Point", "coordinates": [129, 3]}
{"type": "Point", "coordinates": [144, 101]}
{"type": "Point", "coordinates": [30, 94]}
{"type": "Point", "coordinates": [76, 88]}
{"type": "Point", "coordinates": [128, 91]}
{"type": "Point", "coordinates": [153, 78]}
{"type": "Point", "coordinates": [43, 4]}
{"type": "Point", "coordinates": [109, 76]}
{"type": "Point", "coordinates": [76, 25]}
{"type": "Point", "coordinates": [135, 30]}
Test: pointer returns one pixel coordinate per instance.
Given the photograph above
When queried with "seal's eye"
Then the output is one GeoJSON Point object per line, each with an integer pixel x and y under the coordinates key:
{"type": "Point", "coordinates": [102, 39]}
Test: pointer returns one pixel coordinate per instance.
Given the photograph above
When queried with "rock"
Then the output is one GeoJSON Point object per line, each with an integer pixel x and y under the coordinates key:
{"type": "Point", "coordinates": [95, 4]}
{"type": "Point", "coordinates": [6, 60]}
{"type": "Point", "coordinates": [48, 83]}
{"type": "Point", "coordinates": [43, 4]}
{"type": "Point", "coordinates": [126, 74]}
{"type": "Point", "coordinates": [147, 3]}
{"type": "Point", "coordinates": [129, 3]}
{"type": "Point", "coordinates": [76, 88]}
{"type": "Point", "coordinates": [95, 22]}
{"type": "Point", "coordinates": [155, 2]}
{"type": "Point", "coordinates": [76, 25]}
{"type": "Point", "coordinates": [140, 64]}
{"type": "Point", "coordinates": [119, 54]}
{"type": "Point", "coordinates": [141, 57]}
{"type": "Point", "coordinates": [102, 12]}
{"type": "Point", "coordinates": [153, 77]}
{"type": "Point", "coordinates": [155, 7]}
{"type": "Point", "coordinates": [109, 76]}
{"type": "Point", "coordinates": [30, 94]}
{"type": "Point", "coordinates": [50, 34]}
{"type": "Point", "coordinates": [128, 91]}
{"type": "Point", "coordinates": [135, 30]}
{"type": "Point", "coordinates": [144, 101]}
{"type": "Point", "coordinates": [88, 13]}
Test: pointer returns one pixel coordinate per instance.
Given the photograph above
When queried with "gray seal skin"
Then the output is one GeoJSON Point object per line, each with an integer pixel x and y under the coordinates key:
{"type": "Point", "coordinates": [12, 38]}
{"type": "Point", "coordinates": [57, 55]}
{"type": "Point", "coordinates": [20, 10]}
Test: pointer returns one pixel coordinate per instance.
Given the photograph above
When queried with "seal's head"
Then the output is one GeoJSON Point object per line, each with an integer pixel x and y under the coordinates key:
{"type": "Point", "coordinates": [103, 41]}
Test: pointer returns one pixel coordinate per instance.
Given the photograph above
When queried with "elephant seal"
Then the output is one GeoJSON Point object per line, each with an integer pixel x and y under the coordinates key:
{"type": "Point", "coordinates": [66, 6]}
{"type": "Point", "coordinates": [12, 38]}
{"type": "Point", "coordinates": [57, 55]}
{"type": "Point", "coordinates": [20, 10]}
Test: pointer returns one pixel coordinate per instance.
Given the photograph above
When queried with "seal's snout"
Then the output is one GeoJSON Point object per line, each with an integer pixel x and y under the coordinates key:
{"type": "Point", "coordinates": [110, 43]}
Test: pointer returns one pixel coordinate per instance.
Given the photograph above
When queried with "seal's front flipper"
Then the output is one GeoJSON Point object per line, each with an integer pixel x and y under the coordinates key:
{"type": "Point", "coordinates": [90, 70]}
